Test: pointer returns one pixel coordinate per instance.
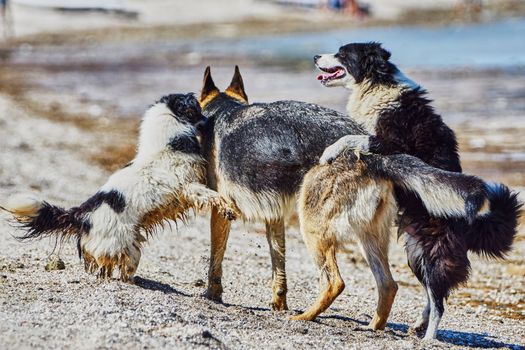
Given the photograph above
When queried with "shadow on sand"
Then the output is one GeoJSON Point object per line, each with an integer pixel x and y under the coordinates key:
{"type": "Point", "coordinates": [472, 340]}
{"type": "Point", "coordinates": [468, 339]}
{"type": "Point", "coordinates": [252, 308]}
{"type": "Point", "coordinates": [158, 286]}
{"type": "Point", "coordinates": [146, 283]}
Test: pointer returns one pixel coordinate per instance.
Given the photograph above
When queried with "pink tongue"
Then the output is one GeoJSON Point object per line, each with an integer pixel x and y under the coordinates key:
{"type": "Point", "coordinates": [325, 76]}
{"type": "Point", "coordinates": [329, 75]}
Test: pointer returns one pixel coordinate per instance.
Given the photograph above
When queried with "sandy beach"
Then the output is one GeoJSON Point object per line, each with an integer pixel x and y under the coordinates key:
{"type": "Point", "coordinates": [70, 309]}
{"type": "Point", "coordinates": [69, 110]}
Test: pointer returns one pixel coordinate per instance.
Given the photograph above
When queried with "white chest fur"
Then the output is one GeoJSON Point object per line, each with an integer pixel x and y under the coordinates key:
{"type": "Point", "coordinates": [368, 101]}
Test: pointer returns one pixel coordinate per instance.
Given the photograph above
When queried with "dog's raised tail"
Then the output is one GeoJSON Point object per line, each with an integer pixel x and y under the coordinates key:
{"type": "Point", "coordinates": [41, 219]}
{"type": "Point", "coordinates": [443, 193]}
{"type": "Point", "coordinates": [492, 234]}
{"type": "Point", "coordinates": [23, 205]}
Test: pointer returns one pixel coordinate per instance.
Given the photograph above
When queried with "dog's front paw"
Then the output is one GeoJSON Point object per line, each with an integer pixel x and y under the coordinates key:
{"type": "Point", "coordinates": [229, 210]}
{"type": "Point", "coordinates": [331, 153]}
{"type": "Point", "coordinates": [359, 142]}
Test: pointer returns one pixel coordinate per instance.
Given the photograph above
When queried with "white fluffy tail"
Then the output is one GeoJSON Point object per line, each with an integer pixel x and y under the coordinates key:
{"type": "Point", "coordinates": [23, 205]}
{"type": "Point", "coordinates": [41, 219]}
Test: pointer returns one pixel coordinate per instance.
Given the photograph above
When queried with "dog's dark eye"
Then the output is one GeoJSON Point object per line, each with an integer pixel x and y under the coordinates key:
{"type": "Point", "coordinates": [341, 54]}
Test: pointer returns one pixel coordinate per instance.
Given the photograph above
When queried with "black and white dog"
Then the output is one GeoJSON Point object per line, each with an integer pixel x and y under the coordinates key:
{"type": "Point", "coordinates": [398, 116]}
{"type": "Point", "coordinates": [165, 179]}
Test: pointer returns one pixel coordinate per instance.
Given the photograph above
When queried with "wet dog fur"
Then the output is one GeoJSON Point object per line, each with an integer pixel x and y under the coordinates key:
{"type": "Point", "coordinates": [165, 179]}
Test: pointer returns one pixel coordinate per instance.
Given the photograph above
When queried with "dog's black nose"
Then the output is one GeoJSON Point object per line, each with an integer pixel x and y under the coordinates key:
{"type": "Point", "coordinates": [316, 57]}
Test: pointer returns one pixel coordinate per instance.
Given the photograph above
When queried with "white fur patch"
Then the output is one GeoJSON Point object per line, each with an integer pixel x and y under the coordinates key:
{"type": "Point", "coordinates": [331, 152]}
{"type": "Point", "coordinates": [156, 130]}
{"type": "Point", "coordinates": [23, 204]}
{"type": "Point", "coordinates": [257, 206]}
{"type": "Point", "coordinates": [328, 61]}
{"type": "Point", "coordinates": [111, 233]}
{"type": "Point", "coordinates": [434, 318]}
{"type": "Point", "coordinates": [440, 200]}
{"type": "Point", "coordinates": [358, 215]}
{"type": "Point", "coordinates": [368, 101]}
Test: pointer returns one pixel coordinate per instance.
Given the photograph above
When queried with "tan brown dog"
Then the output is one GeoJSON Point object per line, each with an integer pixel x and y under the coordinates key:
{"type": "Point", "coordinates": [354, 197]}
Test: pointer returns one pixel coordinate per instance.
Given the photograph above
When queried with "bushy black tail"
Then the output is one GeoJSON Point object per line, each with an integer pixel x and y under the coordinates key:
{"type": "Point", "coordinates": [493, 233]}
{"type": "Point", "coordinates": [40, 219]}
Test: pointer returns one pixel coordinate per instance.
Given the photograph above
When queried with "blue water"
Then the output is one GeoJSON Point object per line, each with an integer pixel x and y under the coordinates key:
{"type": "Point", "coordinates": [125, 74]}
{"type": "Point", "coordinates": [498, 45]}
{"type": "Point", "coordinates": [487, 45]}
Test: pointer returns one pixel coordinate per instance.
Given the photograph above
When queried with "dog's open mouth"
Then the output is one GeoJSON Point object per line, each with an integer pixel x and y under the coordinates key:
{"type": "Point", "coordinates": [332, 73]}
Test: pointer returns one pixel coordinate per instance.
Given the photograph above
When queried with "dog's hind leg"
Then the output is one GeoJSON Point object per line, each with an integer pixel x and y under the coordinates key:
{"type": "Point", "coordinates": [436, 313]}
{"type": "Point", "coordinates": [422, 322]}
{"type": "Point", "coordinates": [276, 242]}
{"type": "Point", "coordinates": [443, 274]}
{"type": "Point", "coordinates": [220, 230]}
{"type": "Point", "coordinates": [445, 265]}
{"type": "Point", "coordinates": [323, 247]}
{"type": "Point", "coordinates": [415, 252]}
{"type": "Point", "coordinates": [375, 248]}
{"type": "Point", "coordinates": [374, 240]}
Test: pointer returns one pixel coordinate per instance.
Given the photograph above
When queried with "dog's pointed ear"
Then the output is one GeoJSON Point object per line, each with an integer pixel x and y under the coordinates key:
{"type": "Point", "coordinates": [236, 88]}
{"type": "Point", "coordinates": [209, 90]}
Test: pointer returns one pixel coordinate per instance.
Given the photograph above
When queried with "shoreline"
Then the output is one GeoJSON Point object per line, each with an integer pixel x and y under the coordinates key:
{"type": "Point", "coordinates": [249, 25]}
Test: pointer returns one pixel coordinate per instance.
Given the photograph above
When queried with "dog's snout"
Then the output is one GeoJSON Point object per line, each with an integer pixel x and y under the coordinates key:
{"type": "Point", "coordinates": [316, 57]}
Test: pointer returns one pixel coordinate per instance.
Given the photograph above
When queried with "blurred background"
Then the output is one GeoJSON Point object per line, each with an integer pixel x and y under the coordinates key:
{"type": "Point", "coordinates": [98, 64]}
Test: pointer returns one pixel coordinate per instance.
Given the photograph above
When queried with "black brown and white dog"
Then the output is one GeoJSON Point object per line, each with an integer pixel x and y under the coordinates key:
{"type": "Point", "coordinates": [165, 179]}
{"type": "Point", "coordinates": [400, 120]}
{"type": "Point", "coordinates": [257, 156]}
